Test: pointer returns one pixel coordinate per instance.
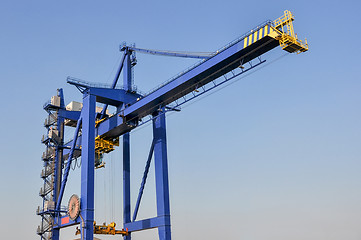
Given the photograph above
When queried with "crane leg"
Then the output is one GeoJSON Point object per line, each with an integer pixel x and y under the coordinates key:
{"type": "Point", "coordinates": [55, 234]}
{"type": "Point", "coordinates": [127, 83]}
{"type": "Point", "coordinates": [126, 181]}
{"type": "Point", "coordinates": [87, 166]}
{"type": "Point", "coordinates": [161, 175]}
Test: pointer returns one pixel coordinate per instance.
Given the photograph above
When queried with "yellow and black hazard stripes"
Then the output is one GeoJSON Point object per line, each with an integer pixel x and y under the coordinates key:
{"type": "Point", "coordinates": [257, 35]}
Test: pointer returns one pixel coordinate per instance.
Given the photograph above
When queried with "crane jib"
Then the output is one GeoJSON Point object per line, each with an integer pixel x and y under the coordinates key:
{"type": "Point", "coordinates": [204, 73]}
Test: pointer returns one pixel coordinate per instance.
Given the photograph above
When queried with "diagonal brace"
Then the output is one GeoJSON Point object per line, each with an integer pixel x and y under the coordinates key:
{"type": "Point", "coordinates": [68, 165]}
{"type": "Point", "coordinates": [114, 82]}
{"type": "Point", "coordinates": [144, 180]}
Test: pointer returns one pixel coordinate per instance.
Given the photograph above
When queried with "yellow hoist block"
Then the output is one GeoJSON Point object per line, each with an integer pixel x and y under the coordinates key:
{"type": "Point", "coordinates": [105, 145]}
{"type": "Point", "coordinates": [106, 229]}
{"type": "Point", "coordinates": [287, 38]}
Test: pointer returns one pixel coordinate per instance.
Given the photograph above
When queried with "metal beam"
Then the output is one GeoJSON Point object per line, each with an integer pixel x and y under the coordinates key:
{"type": "Point", "coordinates": [115, 81]}
{"type": "Point", "coordinates": [72, 115]}
{"type": "Point", "coordinates": [144, 180]}
{"type": "Point", "coordinates": [202, 74]}
{"type": "Point", "coordinates": [114, 97]}
{"type": "Point", "coordinates": [59, 158]}
{"type": "Point", "coordinates": [214, 67]}
{"type": "Point", "coordinates": [67, 168]}
{"type": "Point", "coordinates": [127, 83]}
{"type": "Point", "coordinates": [161, 174]}
{"type": "Point", "coordinates": [144, 224]}
{"type": "Point", "coordinates": [87, 166]}
{"type": "Point", "coordinates": [65, 221]}
{"type": "Point", "coordinates": [126, 182]}
{"type": "Point", "coordinates": [198, 55]}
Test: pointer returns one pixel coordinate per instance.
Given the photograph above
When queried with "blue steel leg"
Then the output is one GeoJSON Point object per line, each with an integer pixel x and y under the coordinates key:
{"type": "Point", "coordinates": [59, 159]}
{"type": "Point", "coordinates": [127, 83]}
{"type": "Point", "coordinates": [127, 72]}
{"type": "Point", "coordinates": [87, 166]}
{"type": "Point", "coordinates": [126, 181]}
{"type": "Point", "coordinates": [161, 175]}
{"type": "Point", "coordinates": [55, 234]}
{"type": "Point", "coordinates": [57, 179]}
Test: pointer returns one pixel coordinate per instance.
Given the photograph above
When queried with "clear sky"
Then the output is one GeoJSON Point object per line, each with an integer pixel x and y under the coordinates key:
{"type": "Point", "coordinates": [273, 156]}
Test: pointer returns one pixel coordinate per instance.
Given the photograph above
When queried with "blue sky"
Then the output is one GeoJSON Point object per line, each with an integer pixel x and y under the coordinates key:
{"type": "Point", "coordinates": [275, 155]}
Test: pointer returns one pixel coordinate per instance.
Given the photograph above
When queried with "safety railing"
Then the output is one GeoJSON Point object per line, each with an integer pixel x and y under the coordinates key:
{"type": "Point", "coordinates": [49, 153]}
{"type": "Point", "coordinates": [86, 84]}
{"type": "Point", "coordinates": [50, 120]}
{"type": "Point", "coordinates": [49, 209]}
{"type": "Point", "coordinates": [46, 190]}
{"type": "Point", "coordinates": [283, 20]}
{"type": "Point", "coordinates": [47, 171]}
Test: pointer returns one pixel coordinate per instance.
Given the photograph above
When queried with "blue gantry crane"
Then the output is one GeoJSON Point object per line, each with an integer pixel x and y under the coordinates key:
{"type": "Point", "coordinates": [97, 131]}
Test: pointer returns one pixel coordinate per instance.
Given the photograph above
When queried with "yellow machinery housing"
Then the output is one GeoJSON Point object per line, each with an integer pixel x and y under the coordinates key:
{"type": "Point", "coordinates": [106, 229]}
{"type": "Point", "coordinates": [103, 146]}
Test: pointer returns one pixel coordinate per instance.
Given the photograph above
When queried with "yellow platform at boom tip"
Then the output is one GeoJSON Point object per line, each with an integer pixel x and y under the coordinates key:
{"type": "Point", "coordinates": [281, 30]}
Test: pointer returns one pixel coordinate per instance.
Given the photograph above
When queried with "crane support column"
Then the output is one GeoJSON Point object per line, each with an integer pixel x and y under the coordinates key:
{"type": "Point", "coordinates": [127, 83]}
{"type": "Point", "coordinates": [126, 181]}
{"type": "Point", "coordinates": [161, 175]}
{"type": "Point", "coordinates": [87, 167]}
{"type": "Point", "coordinates": [59, 160]}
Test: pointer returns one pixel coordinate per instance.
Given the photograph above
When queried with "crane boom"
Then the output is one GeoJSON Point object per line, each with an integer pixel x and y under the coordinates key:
{"type": "Point", "coordinates": [258, 41]}
{"type": "Point", "coordinates": [251, 45]}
